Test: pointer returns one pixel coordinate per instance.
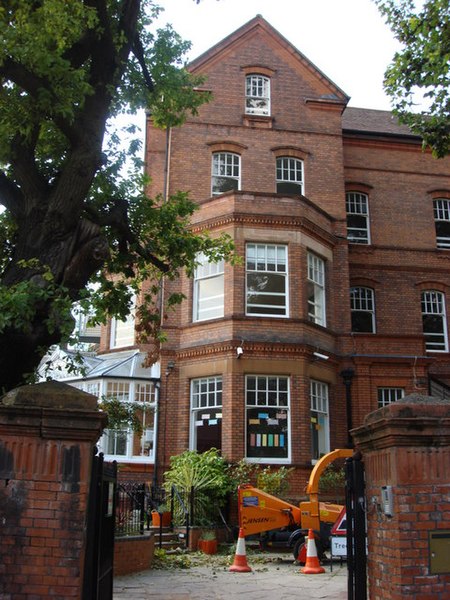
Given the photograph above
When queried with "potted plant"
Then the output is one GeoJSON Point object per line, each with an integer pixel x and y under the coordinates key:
{"type": "Point", "coordinates": [162, 516]}
{"type": "Point", "coordinates": [208, 542]}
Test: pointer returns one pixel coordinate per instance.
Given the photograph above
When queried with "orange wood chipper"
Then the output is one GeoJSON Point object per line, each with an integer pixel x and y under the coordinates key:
{"type": "Point", "coordinates": [260, 512]}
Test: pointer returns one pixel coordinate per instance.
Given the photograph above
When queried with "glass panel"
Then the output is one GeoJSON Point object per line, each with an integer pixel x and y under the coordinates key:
{"type": "Point", "coordinates": [267, 433]}
{"type": "Point", "coordinates": [284, 187]}
{"type": "Point", "coordinates": [208, 429]}
{"type": "Point", "coordinates": [224, 184]}
{"type": "Point", "coordinates": [362, 322]}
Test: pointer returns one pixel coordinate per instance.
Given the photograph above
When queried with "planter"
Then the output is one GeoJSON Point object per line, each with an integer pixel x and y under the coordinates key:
{"type": "Point", "coordinates": [165, 517]}
{"type": "Point", "coordinates": [208, 546]}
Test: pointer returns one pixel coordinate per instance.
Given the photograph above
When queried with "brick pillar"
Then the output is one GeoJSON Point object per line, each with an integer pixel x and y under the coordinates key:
{"type": "Point", "coordinates": [406, 445]}
{"type": "Point", "coordinates": [47, 435]}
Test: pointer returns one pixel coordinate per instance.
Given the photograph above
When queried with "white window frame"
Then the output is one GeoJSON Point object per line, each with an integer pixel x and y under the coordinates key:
{"type": "Point", "coordinates": [263, 261]}
{"type": "Point", "coordinates": [316, 289]}
{"type": "Point", "coordinates": [143, 392]}
{"type": "Point", "coordinates": [123, 332]}
{"type": "Point", "coordinates": [319, 405]}
{"type": "Point", "coordinates": [357, 205]}
{"type": "Point", "coordinates": [205, 403]}
{"type": "Point", "coordinates": [272, 405]}
{"type": "Point", "coordinates": [363, 302]}
{"type": "Point", "coordinates": [388, 395]}
{"type": "Point", "coordinates": [207, 304]}
{"type": "Point", "coordinates": [441, 210]}
{"type": "Point", "coordinates": [257, 95]}
{"type": "Point", "coordinates": [289, 170]}
{"type": "Point", "coordinates": [433, 303]}
{"type": "Point", "coordinates": [226, 166]}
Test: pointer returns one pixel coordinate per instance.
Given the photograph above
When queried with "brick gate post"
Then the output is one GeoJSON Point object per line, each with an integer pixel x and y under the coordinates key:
{"type": "Point", "coordinates": [47, 436]}
{"type": "Point", "coordinates": [406, 452]}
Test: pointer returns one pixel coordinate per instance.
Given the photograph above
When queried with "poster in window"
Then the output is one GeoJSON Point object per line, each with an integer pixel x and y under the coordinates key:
{"type": "Point", "coordinates": [267, 433]}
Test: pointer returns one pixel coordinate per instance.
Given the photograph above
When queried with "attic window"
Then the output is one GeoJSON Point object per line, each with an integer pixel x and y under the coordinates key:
{"type": "Point", "coordinates": [257, 95]}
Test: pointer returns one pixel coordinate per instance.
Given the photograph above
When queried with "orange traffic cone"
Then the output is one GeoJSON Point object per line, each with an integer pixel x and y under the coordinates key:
{"type": "Point", "coordinates": [312, 565]}
{"type": "Point", "coordinates": [240, 560]}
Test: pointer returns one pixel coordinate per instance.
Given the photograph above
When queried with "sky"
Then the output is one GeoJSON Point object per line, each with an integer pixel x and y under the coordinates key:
{"type": "Point", "coordinates": [347, 40]}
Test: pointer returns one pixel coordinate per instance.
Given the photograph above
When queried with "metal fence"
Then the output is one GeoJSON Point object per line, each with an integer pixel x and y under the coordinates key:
{"type": "Point", "coordinates": [135, 502]}
{"type": "Point", "coordinates": [131, 508]}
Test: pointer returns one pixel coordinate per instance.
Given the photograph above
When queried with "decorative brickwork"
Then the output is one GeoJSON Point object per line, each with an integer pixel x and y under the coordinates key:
{"type": "Point", "coordinates": [47, 433]}
{"type": "Point", "coordinates": [406, 445]}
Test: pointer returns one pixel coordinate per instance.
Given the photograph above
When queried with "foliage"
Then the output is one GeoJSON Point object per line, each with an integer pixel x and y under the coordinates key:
{"type": "Point", "coordinates": [71, 184]}
{"type": "Point", "coordinates": [274, 481]}
{"type": "Point", "coordinates": [421, 70]}
{"type": "Point", "coordinates": [208, 535]}
{"type": "Point", "coordinates": [162, 560]}
{"type": "Point", "coordinates": [206, 474]}
{"type": "Point", "coordinates": [122, 415]}
{"type": "Point", "coordinates": [332, 479]}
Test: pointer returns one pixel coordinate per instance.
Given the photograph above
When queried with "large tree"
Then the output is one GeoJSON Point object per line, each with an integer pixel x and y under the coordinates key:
{"type": "Point", "coordinates": [418, 79]}
{"type": "Point", "coordinates": [76, 224]}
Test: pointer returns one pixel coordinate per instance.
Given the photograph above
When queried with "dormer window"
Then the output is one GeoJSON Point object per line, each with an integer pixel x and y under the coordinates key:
{"type": "Point", "coordinates": [257, 95]}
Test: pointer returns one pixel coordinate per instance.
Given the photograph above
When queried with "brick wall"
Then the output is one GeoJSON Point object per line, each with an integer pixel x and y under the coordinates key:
{"type": "Point", "coordinates": [47, 436]}
{"type": "Point", "coordinates": [133, 554]}
{"type": "Point", "coordinates": [406, 446]}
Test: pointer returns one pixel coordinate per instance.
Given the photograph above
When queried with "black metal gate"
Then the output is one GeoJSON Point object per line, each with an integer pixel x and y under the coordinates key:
{"type": "Point", "coordinates": [99, 560]}
{"type": "Point", "coordinates": [356, 528]}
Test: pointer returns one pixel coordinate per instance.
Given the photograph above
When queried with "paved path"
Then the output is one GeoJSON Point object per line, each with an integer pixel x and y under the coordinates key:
{"type": "Point", "coordinates": [272, 576]}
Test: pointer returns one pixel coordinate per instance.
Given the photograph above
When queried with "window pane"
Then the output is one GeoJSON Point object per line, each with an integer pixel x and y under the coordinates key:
{"type": "Point", "coordinates": [267, 433]}
{"type": "Point", "coordinates": [357, 218]}
{"type": "Point", "coordinates": [266, 279]}
{"type": "Point", "coordinates": [388, 395]}
{"type": "Point", "coordinates": [362, 305]}
{"type": "Point", "coordinates": [434, 321]}
{"type": "Point", "coordinates": [316, 289]}
{"type": "Point", "coordinates": [225, 172]}
{"type": "Point", "coordinates": [289, 175]}
{"type": "Point", "coordinates": [257, 92]}
{"type": "Point", "coordinates": [362, 322]}
{"type": "Point", "coordinates": [267, 422]}
{"type": "Point", "coordinates": [442, 221]}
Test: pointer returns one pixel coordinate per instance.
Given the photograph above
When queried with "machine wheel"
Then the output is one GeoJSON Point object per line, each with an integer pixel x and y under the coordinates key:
{"type": "Point", "coordinates": [300, 548]}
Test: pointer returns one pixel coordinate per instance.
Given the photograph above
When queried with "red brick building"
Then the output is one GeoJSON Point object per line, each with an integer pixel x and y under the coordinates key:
{"type": "Point", "coordinates": [343, 226]}
{"type": "Point", "coordinates": [340, 303]}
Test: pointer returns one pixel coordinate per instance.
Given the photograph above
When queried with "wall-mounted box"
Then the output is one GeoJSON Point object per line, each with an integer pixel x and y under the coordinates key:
{"type": "Point", "coordinates": [439, 548]}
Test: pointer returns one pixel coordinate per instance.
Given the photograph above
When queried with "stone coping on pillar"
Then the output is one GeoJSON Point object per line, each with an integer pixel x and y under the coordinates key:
{"type": "Point", "coordinates": [415, 420]}
{"type": "Point", "coordinates": [51, 410]}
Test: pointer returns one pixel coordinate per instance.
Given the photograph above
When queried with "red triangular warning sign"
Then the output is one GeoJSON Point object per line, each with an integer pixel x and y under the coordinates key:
{"type": "Point", "coordinates": [340, 525]}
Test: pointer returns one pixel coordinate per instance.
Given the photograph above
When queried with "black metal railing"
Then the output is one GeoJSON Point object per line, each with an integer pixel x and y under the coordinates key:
{"type": "Point", "coordinates": [131, 508]}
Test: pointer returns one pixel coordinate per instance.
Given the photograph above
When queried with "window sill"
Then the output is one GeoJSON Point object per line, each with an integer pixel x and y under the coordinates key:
{"type": "Point", "coordinates": [258, 121]}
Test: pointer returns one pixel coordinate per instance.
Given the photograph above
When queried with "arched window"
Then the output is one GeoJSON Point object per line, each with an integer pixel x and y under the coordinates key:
{"type": "Point", "coordinates": [226, 172]}
{"type": "Point", "coordinates": [257, 95]}
{"type": "Point", "coordinates": [434, 321]}
{"type": "Point", "coordinates": [362, 305]}
{"type": "Point", "coordinates": [358, 230]}
{"type": "Point", "coordinates": [289, 175]}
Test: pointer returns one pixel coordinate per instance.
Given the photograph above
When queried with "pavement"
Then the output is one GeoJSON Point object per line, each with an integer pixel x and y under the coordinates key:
{"type": "Point", "coordinates": [202, 577]}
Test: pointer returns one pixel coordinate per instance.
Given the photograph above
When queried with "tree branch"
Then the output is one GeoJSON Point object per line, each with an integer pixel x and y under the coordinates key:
{"type": "Point", "coordinates": [117, 219]}
{"type": "Point", "coordinates": [138, 51]}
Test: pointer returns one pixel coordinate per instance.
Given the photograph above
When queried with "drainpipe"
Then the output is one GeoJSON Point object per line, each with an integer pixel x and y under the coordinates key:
{"type": "Point", "coordinates": [347, 375]}
{"type": "Point", "coordinates": [161, 310]}
{"type": "Point", "coordinates": [155, 436]}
